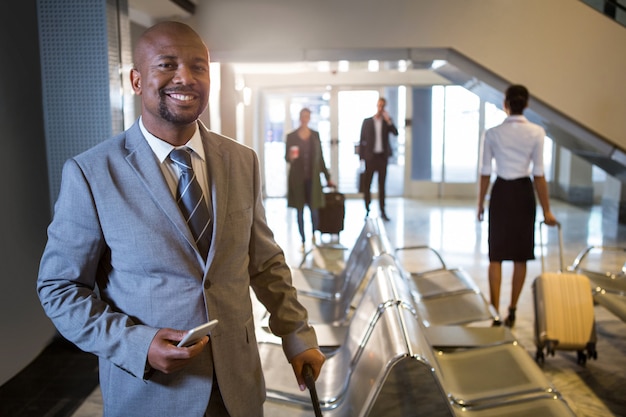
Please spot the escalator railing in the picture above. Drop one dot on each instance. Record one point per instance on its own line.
(615, 9)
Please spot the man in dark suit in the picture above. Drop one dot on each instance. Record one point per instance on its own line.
(375, 150)
(123, 276)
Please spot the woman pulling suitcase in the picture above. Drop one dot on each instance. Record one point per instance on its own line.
(516, 146)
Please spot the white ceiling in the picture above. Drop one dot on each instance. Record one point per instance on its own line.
(148, 12)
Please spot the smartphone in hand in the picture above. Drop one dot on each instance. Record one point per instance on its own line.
(194, 335)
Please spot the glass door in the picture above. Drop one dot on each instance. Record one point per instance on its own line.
(282, 114)
(337, 114)
(354, 106)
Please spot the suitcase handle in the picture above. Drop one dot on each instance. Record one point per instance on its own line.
(560, 239)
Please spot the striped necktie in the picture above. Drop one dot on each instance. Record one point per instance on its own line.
(191, 201)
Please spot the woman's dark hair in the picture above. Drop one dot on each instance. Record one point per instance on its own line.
(516, 98)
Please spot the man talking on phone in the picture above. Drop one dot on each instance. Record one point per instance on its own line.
(375, 150)
(159, 230)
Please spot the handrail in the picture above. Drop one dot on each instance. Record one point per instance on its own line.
(615, 4)
(582, 254)
(614, 9)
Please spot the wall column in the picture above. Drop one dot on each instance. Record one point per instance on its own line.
(573, 181)
(613, 202)
(85, 59)
(229, 98)
(421, 133)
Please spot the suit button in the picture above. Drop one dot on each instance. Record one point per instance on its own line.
(207, 284)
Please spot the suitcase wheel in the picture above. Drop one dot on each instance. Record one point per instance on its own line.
(592, 353)
(582, 358)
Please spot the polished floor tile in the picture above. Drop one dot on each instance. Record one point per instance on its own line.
(54, 384)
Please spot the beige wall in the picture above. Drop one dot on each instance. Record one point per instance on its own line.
(569, 55)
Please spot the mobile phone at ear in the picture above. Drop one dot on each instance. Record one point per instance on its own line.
(194, 335)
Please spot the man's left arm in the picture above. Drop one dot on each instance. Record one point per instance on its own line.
(270, 278)
(392, 127)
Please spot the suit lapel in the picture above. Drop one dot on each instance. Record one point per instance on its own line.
(142, 159)
(218, 163)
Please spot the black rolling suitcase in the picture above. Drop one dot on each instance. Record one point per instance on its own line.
(331, 216)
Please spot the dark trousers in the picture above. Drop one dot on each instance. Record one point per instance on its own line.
(377, 164)
(300, 212)
(216, 403)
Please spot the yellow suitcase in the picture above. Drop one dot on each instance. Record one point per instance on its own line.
(564, 315)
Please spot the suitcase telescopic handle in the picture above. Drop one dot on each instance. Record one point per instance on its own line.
(307, 371)
(560, 239)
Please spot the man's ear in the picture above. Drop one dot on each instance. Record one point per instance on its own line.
(135, 80)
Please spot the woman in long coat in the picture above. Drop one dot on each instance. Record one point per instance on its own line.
(306, 162)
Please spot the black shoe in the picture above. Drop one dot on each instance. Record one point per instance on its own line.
(496, 323)
(385, 218)
(510, 320)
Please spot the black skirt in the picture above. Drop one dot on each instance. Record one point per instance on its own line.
(512, 212)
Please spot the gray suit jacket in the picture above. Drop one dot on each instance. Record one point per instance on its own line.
(120, 263)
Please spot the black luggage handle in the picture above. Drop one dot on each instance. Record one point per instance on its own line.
(307, 371)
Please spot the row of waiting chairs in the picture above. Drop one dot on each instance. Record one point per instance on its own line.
(355, 378)
(394, 349)
(607, 273)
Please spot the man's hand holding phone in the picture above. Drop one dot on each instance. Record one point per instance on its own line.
(166, 356)
(194, 335)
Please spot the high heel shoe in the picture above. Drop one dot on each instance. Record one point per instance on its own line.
(510, 320)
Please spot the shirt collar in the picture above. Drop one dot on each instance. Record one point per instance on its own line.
(516, 118)
(162, 149)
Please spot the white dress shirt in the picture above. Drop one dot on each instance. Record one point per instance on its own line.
(170, 170)
(516, 146)
(378, 130)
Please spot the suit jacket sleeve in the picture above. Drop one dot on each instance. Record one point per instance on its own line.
(270, 279)
(389, 128)
(67, 280)
(320, 160)
(364, 140)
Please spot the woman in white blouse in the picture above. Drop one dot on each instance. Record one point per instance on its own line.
(516, 146)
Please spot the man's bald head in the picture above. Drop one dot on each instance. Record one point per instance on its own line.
(171, 74)
(170, 30)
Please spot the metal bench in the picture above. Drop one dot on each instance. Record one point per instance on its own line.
(330, 313)
(443, 295)
(368, 373)
(608, 276)
(484, 380)
(392, 362)
(325, 279)
(482, 370)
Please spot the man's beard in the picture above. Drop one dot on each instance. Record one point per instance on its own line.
(176, 119)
